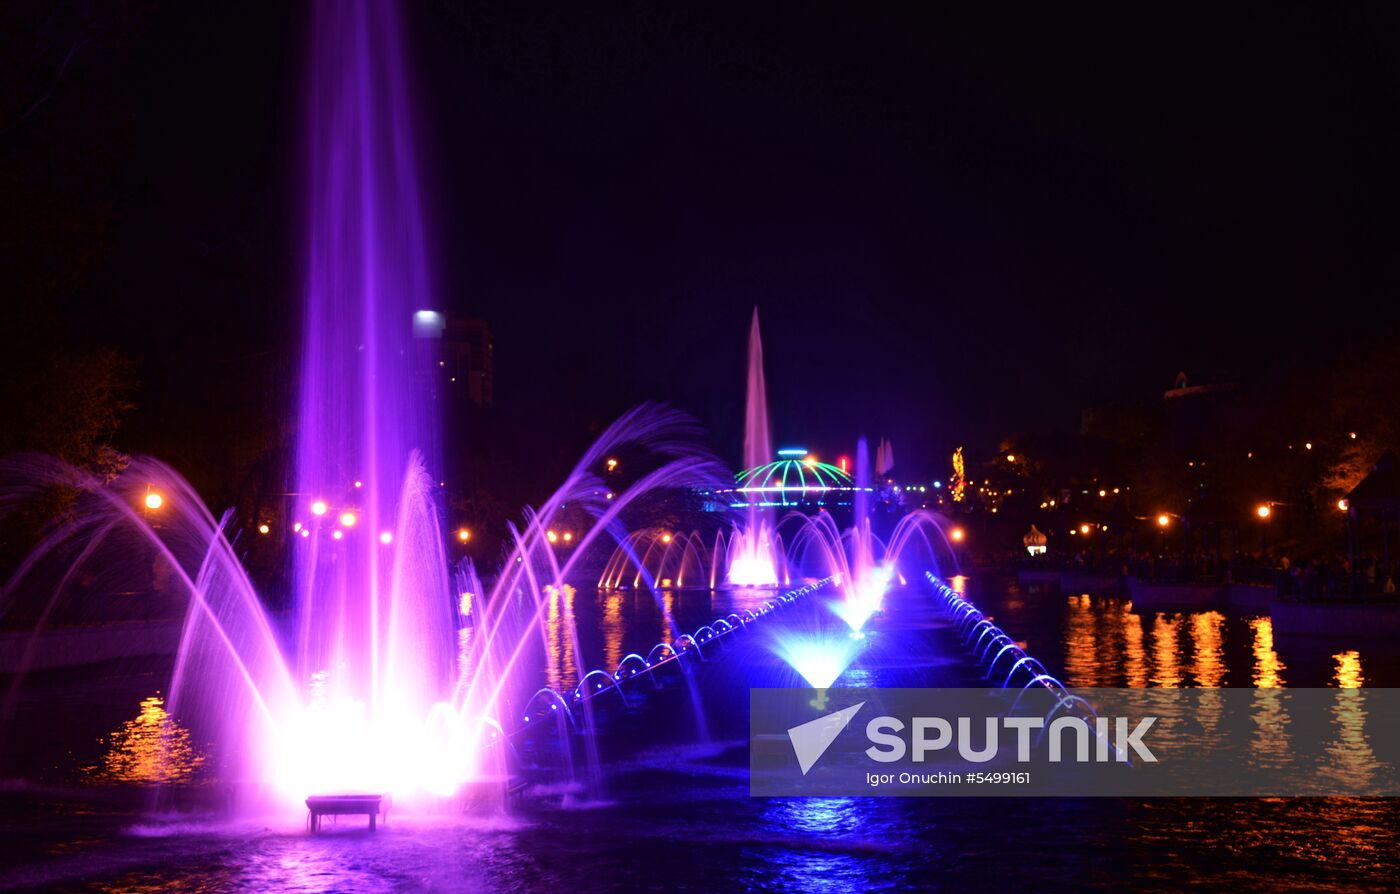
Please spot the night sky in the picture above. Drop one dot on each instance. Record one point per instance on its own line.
(955, 228)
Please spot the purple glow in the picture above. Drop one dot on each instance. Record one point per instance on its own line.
(754, 550)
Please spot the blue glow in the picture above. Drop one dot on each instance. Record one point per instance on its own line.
(793, 451)
(819, 659)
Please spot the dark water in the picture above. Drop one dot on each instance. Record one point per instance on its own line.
(672, 812)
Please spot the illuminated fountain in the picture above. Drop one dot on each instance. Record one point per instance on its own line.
(389, 671)
(751, 557)
(864, 568)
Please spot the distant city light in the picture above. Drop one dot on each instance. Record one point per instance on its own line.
(1352, 435)
(956, 535)
(319, 507)
(1011, 457)
(666, 537)
(463, 535)
(553, 537)
(1343, 505)
(359, 484)
(348, 519)
(386, 537)
(938, 484)
(568, 536)
(306, 532)
(264, 528)
(154, 500)
(612, 464)
(296, 528)
(1307, 446)
(428, 324)
(1084, 529)
(338, 534)
(1103, 493)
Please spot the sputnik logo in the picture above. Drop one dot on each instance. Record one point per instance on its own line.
(810, 740)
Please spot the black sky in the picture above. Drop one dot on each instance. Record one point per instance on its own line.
(955, 226)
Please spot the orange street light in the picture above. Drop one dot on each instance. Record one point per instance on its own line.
(463, 535)
(154, 500)
(956, 535)
(1163, 520)
(1264, 511)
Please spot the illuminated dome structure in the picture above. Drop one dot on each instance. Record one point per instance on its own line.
(795, 478)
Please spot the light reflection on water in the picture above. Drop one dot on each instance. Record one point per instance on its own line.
(1268, 667)
(589, 629)
(1166, 651)
(1101, 641)
(860, 843)
(149, 749)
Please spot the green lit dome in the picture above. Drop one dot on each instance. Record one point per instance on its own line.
(793, 475)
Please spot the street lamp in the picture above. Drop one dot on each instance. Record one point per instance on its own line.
(1264, 511)
(463, 535)
(1163, 520)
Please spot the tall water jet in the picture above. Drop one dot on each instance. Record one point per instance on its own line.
(374, 613)
(758, 446)
(752, 551)
(865, 591)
